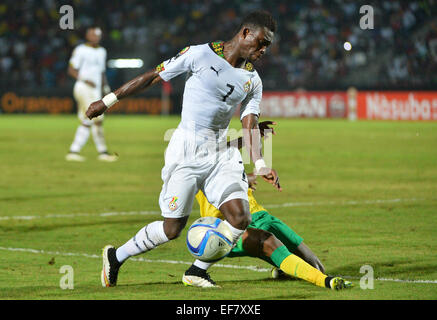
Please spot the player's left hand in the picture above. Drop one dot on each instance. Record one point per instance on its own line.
(96, 109)
(270, 176)
(265, 127)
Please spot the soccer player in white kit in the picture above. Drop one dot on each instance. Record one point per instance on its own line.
(220, 76)
(87, 66)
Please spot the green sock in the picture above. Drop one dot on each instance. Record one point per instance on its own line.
(279, 255)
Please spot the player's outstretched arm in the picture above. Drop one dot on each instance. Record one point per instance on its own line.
(264, 127)
(252, 141)
(130, 88)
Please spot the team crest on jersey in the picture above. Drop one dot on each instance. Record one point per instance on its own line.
(246, 86)
(173, 204)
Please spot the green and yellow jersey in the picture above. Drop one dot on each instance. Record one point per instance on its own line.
(208, 210)
(261, 219)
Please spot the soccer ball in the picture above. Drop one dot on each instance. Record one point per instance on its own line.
(209, 239)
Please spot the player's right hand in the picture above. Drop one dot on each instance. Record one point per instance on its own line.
(96, 109)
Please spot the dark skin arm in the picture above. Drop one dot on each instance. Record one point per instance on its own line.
(252, 136)
(263, 127)
(252, 141)
(134, 86)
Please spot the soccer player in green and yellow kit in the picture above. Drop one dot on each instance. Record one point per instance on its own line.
(270, 239)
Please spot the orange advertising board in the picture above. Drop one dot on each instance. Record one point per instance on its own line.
(13, 102)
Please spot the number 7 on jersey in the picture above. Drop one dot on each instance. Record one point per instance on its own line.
(230, 91)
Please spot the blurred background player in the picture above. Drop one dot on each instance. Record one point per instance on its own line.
(87, 66)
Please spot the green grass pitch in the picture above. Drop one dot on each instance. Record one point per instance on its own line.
(359, 193)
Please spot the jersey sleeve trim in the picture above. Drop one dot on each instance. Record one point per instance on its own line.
(180, 63)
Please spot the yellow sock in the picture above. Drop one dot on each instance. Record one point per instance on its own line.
(295, 266)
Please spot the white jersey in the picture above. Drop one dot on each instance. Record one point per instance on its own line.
(91, 63)
(213, 88)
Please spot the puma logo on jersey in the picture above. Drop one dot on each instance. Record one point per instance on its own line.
(212, 68)
(244, 177)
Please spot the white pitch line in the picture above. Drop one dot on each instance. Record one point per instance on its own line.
(252, 268)
(280, 205)
(75, 215)
(95, 256)
(342, 203)
(396, 280)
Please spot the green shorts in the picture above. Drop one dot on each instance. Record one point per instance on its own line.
(265, 221)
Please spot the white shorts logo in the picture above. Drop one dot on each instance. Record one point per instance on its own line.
(172, 204)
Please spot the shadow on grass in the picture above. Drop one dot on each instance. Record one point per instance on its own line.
(396, 268)
(263, 289)
(177, 287)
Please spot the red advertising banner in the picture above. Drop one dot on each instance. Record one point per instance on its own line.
(391, 105)
(315, 104)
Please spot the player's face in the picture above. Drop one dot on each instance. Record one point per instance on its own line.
(255, 43)
(94, 35)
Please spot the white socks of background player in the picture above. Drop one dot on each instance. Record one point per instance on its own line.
(146, 239)
(82, 135)
(80, 138)
(236, 234)
(99, 138)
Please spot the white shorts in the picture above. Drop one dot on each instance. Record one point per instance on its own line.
(187, 169)
(84, 96)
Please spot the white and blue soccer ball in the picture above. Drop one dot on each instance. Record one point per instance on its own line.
(209, 239)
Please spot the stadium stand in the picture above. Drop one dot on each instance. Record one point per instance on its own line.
(400, 52)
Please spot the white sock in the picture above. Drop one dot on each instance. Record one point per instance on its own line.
(145, 240)
(80, 138)
(202, 264)
(99, 138)
(236, 234)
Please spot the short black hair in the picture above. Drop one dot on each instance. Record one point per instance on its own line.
(259, 18)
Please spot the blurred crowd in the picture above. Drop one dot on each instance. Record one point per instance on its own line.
(400, 52)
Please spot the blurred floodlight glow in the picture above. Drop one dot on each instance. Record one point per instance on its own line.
(347, 46)
(125, 63)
